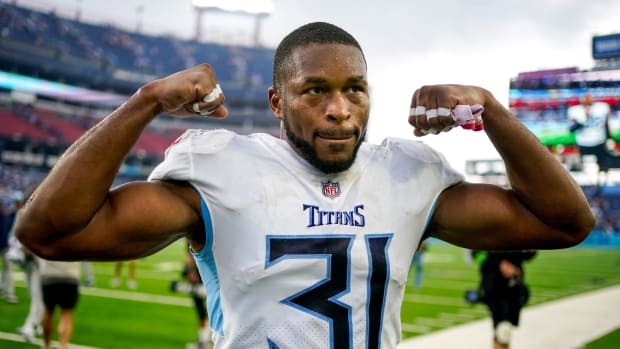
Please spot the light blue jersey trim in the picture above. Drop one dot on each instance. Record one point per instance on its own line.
(434, 205)
(430, 214)
(208, 272)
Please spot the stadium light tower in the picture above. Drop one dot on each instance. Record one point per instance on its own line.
(139, 12)
(258, 9)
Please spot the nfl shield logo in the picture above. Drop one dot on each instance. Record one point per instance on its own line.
(331, 189)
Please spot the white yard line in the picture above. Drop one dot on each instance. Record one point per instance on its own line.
(136, 296)
(568, 323)
(17, 338)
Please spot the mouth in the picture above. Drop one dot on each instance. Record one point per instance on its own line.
(336, 134)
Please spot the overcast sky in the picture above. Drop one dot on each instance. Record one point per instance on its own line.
(408, 43)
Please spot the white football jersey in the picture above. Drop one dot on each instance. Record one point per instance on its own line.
(296, 258)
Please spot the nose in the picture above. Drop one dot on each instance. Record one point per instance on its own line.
(337, 108)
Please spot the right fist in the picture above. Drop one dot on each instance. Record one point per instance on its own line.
(190, 92)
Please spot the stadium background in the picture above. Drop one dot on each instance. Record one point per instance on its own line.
(60, 75)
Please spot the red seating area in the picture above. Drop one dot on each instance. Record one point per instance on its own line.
(68, 130)
(48, 126)
(153, 143)
(13, 125)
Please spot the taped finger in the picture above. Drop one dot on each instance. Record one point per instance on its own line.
(213, 95)
(431, 113)
(443, 111)
(417, 111)
(208, 112)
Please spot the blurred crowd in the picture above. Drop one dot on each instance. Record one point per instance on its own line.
(110, 49)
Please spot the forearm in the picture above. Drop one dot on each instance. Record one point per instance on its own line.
(79, 183)
(536, 177)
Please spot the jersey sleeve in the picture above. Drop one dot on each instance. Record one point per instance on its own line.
(449, 175)
(193, 153)
(418, 155)
(177, 160)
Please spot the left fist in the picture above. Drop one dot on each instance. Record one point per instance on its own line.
(440, 108)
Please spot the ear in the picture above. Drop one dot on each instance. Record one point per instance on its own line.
(275, 102)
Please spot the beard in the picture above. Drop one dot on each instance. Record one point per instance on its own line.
(308, 152)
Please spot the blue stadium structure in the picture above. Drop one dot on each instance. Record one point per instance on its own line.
(110, 59)
(59, 76)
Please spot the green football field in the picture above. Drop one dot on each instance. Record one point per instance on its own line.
(154, 317)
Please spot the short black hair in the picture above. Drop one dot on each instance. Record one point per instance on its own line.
(311, 33)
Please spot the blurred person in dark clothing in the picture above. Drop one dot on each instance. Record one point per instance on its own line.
(60, 288)
(503, 290)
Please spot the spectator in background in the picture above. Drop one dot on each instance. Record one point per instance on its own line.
(503, 290)
(132, 284)
(23, 258)
(589, 121)
(7, 288)
(600, 208)
(29, 264)
(60, 287)
(88, 274)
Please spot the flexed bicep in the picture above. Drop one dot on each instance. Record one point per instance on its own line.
(136, 220)
(487, 217)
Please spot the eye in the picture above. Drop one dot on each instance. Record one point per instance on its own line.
(356, 89)
(315, 90)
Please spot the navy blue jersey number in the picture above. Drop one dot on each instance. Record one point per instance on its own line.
(322, 298)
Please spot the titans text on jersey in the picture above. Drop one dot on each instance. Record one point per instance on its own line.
(318, 217)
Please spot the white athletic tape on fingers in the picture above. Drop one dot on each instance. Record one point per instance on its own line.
(213, 95)
(431, 113)
(208, 112)
(443, 111)
(467, 114)
(417, 111)
(196, 108)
